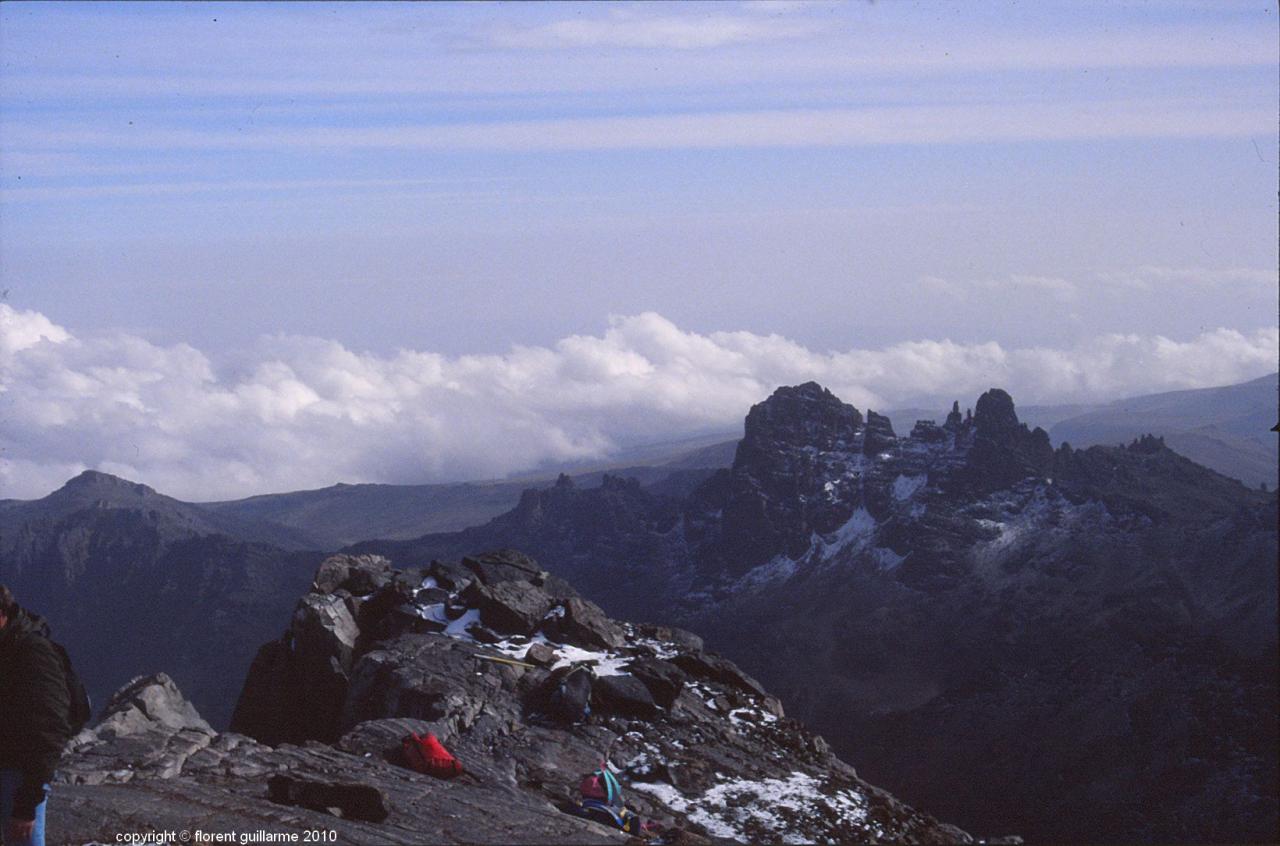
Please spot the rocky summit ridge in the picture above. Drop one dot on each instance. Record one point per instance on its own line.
(469, 651)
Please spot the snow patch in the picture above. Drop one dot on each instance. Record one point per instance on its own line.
(603, 663)
(458, 628)
(434, 613)
(783, 810)
(779, 568)
(886, 560)
(905, 487)
(857, 530)
(750, 717)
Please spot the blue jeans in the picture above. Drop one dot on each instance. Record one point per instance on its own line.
(10, 780)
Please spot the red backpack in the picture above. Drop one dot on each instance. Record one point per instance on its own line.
(428, 755)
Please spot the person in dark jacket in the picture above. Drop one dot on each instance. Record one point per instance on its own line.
(34, 720)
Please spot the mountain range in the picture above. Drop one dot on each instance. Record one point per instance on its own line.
(1070, 644)
(1226, 429)
(1066, 643)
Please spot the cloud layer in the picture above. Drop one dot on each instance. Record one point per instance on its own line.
(298, 412)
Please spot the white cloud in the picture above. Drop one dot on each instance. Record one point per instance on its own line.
(22, 329)
(308, 412)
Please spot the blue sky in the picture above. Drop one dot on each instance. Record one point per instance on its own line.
(471, 180)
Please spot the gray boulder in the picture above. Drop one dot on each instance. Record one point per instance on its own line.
(663, 679)
(323, 628)
(148, 728)
(581, 623)
(358, 574)
(708, 665)
(624, 695)
(504, 565)
(508, 607)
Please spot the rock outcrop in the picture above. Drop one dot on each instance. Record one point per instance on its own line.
(147, 730)
(700, 747)
(794, 444)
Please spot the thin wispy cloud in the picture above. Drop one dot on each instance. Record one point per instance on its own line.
(1054, 287)
(637, 28)
(440, 188)
(988, 123)
(1146, 279)
(1151, 278)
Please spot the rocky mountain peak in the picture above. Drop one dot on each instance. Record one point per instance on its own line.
(806, 414)
(527, 683)
(776, 491)
(95, 485)
(994, 415)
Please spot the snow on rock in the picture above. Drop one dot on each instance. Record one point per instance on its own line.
(776, 569)
(458, 628)
(856, 531)
(886, 559)
(794, 809)
(905, 487)
(601, 662)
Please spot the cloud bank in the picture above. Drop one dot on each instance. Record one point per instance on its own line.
(298, 412)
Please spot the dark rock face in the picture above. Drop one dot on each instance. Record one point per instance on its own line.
(775, 499)
(663, 679)
(954, 419)
(706, 665)
(879, 435)
(505, 565)
(926, 431)
(505, 606)
(1070, 644)
(296, 686)
(679, 755)
(625, 695)
(994, 416)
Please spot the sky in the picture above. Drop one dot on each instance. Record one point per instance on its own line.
(254, 247)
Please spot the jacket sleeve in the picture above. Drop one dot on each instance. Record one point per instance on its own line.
(46, 703)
